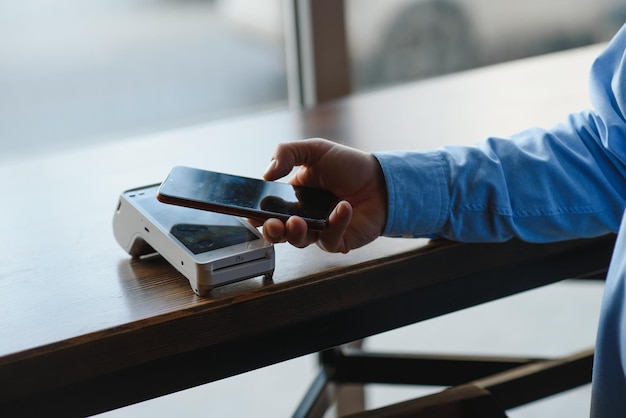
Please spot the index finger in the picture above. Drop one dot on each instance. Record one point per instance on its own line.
(291, 154)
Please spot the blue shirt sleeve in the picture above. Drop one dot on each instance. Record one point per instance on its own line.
(540, 185)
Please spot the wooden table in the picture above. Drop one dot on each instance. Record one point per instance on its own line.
(84, 329)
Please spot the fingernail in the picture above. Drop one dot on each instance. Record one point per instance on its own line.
(271, 166)
(271, 233)
(342, 207)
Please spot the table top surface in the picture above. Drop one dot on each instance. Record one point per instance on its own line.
(65, 282)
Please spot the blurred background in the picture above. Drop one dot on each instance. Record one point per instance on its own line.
(74, 73)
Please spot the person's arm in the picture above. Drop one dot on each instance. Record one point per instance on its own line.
(539, 185)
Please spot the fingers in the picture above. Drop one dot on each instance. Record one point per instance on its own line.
(322, 164)
(332, 239)
(296, 232)
(274, 231)
(276, 170)
(291, 154)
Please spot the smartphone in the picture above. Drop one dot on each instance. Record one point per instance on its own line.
(247, 197)
(209, 249)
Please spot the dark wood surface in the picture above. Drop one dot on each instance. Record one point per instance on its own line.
(84, 329)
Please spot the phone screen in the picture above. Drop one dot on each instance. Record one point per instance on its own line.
(245, 196)
(200, 231)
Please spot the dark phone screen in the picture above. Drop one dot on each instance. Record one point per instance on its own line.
(200, 231)
(253, 194)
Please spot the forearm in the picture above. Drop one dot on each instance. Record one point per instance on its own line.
(537, 186)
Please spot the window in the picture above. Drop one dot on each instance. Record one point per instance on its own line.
(75, 72)
(399, 40)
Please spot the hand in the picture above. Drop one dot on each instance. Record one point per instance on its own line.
(354, 176)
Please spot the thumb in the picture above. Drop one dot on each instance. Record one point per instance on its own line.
(333, 239)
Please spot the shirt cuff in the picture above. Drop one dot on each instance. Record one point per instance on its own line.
(417, 192)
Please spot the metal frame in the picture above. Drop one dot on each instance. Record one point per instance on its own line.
(317, 51)
(509, 381)
(478, 386)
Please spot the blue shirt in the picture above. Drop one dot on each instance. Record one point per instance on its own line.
(540, 185)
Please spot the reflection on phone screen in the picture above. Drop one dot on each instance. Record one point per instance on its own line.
(202, 238)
